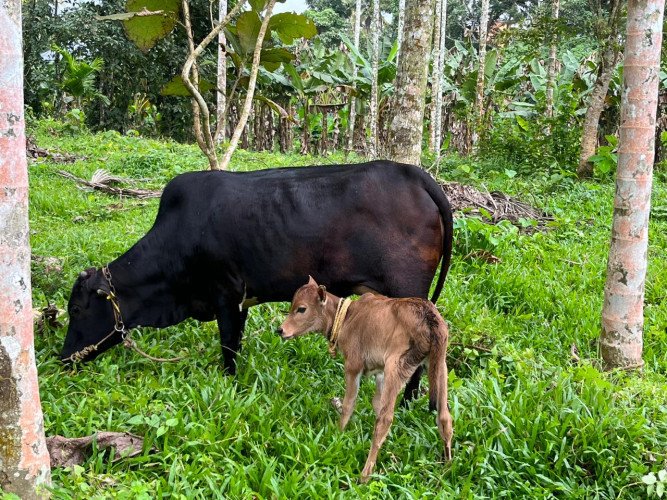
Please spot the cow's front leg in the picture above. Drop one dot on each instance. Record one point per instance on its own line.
(230, 324)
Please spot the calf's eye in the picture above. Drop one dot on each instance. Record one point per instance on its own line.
(301, 309)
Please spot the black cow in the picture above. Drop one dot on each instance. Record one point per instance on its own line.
(224, 241)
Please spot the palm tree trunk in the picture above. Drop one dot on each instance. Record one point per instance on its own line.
(438, 96)
(353, 108)
(375, 57)
(622, 314)
(553, 61)
(479, 99)
(24, 459)
(399, 28)
(435, 74)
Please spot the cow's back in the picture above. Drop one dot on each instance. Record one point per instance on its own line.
(348, 225)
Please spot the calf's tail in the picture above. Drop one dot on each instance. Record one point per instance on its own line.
(437, 379)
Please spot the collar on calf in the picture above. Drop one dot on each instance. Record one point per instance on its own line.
(341, 311)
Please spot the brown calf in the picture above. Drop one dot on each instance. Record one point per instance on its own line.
(377, 335)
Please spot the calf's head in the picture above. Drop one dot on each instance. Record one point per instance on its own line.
(91, 318)
(307, 312)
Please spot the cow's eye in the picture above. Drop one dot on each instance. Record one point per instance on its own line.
(301, 309)
(75, 310)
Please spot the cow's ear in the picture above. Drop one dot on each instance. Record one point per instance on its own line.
(322, 293)
(311, 281)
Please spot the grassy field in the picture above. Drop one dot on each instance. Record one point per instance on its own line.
(527, 421)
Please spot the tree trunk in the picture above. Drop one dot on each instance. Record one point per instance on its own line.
(438, 96)
(221, 116)
(375, 57)
(553, 60)
(408, 103)
(250, 92)
(435, 74)
(353, 107)
(622, 314)
(24, 459)
(589, 133)
(399, 28)
(479, 99)
(607, 34)
(305, 136)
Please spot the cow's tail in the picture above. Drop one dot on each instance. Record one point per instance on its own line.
(437, 381)
(438, 196)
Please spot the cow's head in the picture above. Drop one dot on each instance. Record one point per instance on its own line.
(91, 318)
(307, 313)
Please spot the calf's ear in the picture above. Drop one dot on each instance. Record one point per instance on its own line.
(322, 293)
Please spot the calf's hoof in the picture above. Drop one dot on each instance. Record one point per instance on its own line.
(337, 404)
(364, 478)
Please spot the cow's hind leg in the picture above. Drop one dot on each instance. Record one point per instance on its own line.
(230, 326)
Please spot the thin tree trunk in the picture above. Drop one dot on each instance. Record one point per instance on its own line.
(353, 107)
(438, 97)
(589, 133)
(607, 30)
(209, 143)
(400, 28)
(375, 57)
(196, 115)
(623, 311)
(553, 60)
(435, 74)
(305, 137)
(24, 459)
(479, 99)
(224, 163)
(221, 117)
(404, 142)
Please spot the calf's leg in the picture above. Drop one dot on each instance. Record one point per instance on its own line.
(377, 399)
(352, 379)
(393, 384)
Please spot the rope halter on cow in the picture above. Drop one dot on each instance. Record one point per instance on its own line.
(118, 328)
(341, 312)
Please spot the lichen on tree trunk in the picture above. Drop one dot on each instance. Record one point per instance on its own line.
(621, 341)
(407, 107)
(24, 460)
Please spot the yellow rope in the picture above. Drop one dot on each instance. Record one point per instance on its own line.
(341, 311)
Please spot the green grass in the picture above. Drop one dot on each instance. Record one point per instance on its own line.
(527, 422)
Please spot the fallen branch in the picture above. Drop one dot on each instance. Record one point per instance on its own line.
(106, 188)
(34, 151)
(66, 452)
(496, 205)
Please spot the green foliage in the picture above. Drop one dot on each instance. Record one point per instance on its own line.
(655, 485)
(528, 422)
(606, 159)
(176, 87)
(78, 78)
(147, 31)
